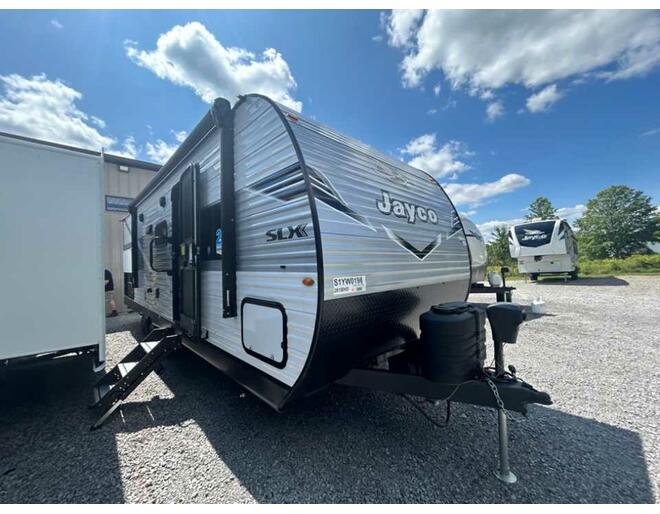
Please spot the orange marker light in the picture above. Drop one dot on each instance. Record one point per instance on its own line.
(308, 281)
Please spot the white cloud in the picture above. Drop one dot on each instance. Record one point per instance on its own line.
(571, 214)
(431, 112)
(128, 149)
(487, 228)
(377, 38)
(475, 194)
(46, 109)
(484, 50)
(160, 151)
(540, 101)
(439, 162)
(494, 110)
(651, 132)
(436, 89)
(180, 135)
(97, 121)
(401, 26)
(55, 23)
(485, 94)
(189, 55)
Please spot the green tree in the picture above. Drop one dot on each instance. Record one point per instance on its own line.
(618, 222)
(498, 248)
(542, 208)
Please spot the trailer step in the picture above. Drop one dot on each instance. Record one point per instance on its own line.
(120, 381)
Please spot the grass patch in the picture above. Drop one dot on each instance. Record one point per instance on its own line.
(642, 264)
(633, 265)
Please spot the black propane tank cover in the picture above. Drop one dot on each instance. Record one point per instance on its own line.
(452, 342)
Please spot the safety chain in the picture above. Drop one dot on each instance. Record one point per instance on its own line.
(496, 394)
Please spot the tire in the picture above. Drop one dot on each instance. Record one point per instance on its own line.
(574, 275)
(533, 277)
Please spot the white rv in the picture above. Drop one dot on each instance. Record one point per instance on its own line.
(478, 251)
(51, 267)
(314, 249)
(292, 257)
(544, 247)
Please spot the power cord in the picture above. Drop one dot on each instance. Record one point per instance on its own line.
(429, 418)
(446, 399)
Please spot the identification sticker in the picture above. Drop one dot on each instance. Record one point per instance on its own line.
(347, 285)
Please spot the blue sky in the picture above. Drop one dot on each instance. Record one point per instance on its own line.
(501, 107)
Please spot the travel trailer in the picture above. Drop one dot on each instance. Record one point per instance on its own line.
(478, 252)
(292, 257)
(51, 267)
(544, 247)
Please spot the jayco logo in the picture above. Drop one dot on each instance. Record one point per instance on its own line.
(534, 235)
(409, 211)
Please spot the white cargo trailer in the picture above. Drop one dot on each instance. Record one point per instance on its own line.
(51, 268)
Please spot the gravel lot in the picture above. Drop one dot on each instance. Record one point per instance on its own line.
(192, 435)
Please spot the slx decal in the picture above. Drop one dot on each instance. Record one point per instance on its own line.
(285, 233)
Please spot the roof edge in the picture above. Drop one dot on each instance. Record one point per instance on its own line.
(111, 158)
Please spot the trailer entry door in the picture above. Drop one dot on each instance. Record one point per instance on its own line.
(186, 283)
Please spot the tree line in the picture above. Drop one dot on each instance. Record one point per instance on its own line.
(618, 222)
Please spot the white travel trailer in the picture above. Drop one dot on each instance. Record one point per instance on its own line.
(478, 252)
(544, 247)
(51, 268)
(292, 257)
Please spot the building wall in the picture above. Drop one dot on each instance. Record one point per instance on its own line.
(126, 184)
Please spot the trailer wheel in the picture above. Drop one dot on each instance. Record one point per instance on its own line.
(533, 277)
(574, 275)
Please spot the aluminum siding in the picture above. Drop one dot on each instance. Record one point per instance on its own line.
(266, 270)
(207, 154)
(359, 174)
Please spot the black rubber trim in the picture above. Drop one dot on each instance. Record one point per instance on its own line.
(273, 305)
(317, 240)
(135, 255)
(223, 117)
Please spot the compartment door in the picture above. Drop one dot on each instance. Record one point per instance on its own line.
(264, 330)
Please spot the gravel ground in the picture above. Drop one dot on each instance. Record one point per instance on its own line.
(192, 435)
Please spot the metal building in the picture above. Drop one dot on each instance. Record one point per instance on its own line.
(124, 179)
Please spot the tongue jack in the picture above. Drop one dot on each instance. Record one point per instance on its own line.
(504, 318)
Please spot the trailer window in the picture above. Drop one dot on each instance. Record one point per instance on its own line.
(211, 232)
(535, 234)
